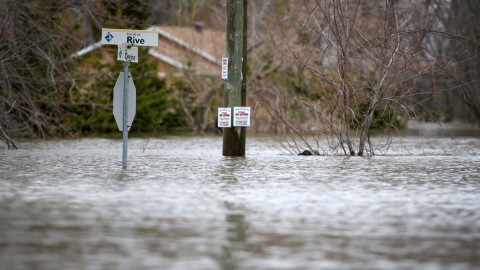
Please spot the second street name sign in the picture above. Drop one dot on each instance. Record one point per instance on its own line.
(130, 37)
(124, 53)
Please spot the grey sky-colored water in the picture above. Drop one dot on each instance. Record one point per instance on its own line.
(182, 205)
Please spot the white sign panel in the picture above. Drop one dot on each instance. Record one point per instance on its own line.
(224, 69)
(125, 53)
(118, 101)
(224, 117)
(241, 116)
(128, 36)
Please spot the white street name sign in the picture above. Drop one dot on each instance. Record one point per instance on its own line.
(124, 53)
(224, 117)
(224, 69)
(118, 101)
(130, 37)
(241, 116)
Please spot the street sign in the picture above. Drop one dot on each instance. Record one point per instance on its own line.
(224, 68)
(241, 116)
(130, 37)
(118, 101)
(124, 53)
(224, 117)
(124, 92)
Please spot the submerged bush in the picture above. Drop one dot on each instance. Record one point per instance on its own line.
(384, 119)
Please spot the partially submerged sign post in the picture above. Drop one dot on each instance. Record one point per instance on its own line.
(126, 39)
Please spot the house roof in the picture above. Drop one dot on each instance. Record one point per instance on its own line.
(190, 48)
(184, 48)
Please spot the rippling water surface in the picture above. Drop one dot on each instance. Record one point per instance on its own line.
(182, 205)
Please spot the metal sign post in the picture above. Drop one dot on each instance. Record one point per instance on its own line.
(125, 112)
(126, 39)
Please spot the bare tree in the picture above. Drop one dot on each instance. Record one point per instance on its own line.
(198, 97)
(455, 44)
(32, 72)
(366, 57)
(36, 71)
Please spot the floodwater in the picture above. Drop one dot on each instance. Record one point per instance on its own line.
(182, 205)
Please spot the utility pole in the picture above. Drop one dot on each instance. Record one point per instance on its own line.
(236, 84)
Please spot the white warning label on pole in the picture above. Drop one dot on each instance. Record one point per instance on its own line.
(224, 117)
(225, 69)
(241, 116)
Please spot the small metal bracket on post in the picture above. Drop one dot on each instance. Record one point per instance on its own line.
(128, 46)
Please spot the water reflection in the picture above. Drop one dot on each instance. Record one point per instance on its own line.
(229, 168)
(68, 205)
(235, 249)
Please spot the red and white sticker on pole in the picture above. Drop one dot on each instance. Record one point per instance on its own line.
(224, 117)
(241, 117)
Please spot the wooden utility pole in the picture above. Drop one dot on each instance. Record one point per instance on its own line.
(236, 84)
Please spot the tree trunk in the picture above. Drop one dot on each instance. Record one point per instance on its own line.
(4, 137)
(346, 103)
